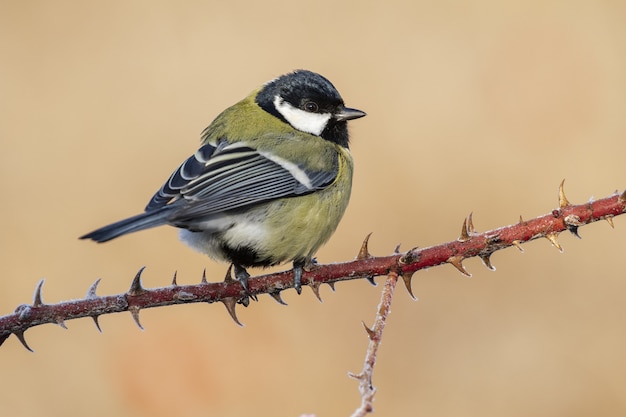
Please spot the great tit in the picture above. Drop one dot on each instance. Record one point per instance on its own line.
(269, 184)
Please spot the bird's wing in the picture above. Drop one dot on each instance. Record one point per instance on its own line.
(230, 176)
(188, 171)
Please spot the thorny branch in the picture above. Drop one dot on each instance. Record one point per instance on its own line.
(375, 334)
(230, 292)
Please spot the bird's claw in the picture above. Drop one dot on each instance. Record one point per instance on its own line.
(242, 276)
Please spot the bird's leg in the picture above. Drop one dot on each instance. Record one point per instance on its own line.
(300, 265)
(242, 276)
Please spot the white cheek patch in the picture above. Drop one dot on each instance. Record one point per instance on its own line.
(314, 123)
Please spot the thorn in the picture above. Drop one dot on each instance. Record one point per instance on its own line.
(61, 323)
(276, 296)
(174, 283)
(37, 296)
(91, 292)
(521, 221)
(364, 252)
(4, 337)
(457, 262)
(20, 336)
(97, 323)
(464, 235)
(552, 237)
(406, 278)
(331, 285)
(610, 221)
(358, 376)
(135, 286)
(518, 245)
(396, 251)
(470, 224)
(562, 199)
(134, 311)
(315, 287)
(622, 197)
(487, 261)
(370, 333)
(229, 274)
(203, 280)
(230, 304)
(370, 279)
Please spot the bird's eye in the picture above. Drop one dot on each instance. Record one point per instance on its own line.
(311, 106)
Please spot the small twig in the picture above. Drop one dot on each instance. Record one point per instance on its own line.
(375, 334)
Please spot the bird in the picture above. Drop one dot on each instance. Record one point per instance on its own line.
(269, 183)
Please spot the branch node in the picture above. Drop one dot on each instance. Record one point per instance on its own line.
(184, 296)
(410, 257)
(573, 222)
(23, 311)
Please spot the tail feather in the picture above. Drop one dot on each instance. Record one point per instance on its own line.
(130, 225)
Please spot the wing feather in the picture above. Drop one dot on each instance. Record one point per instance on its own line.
(190, 169)
(231, 176)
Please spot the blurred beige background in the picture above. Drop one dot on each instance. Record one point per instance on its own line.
(472, 106)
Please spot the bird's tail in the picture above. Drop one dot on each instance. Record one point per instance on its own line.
(132, 224)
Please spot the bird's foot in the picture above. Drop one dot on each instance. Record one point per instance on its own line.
(299, 266)
(242, 276)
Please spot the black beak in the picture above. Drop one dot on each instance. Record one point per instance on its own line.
(348, 114)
